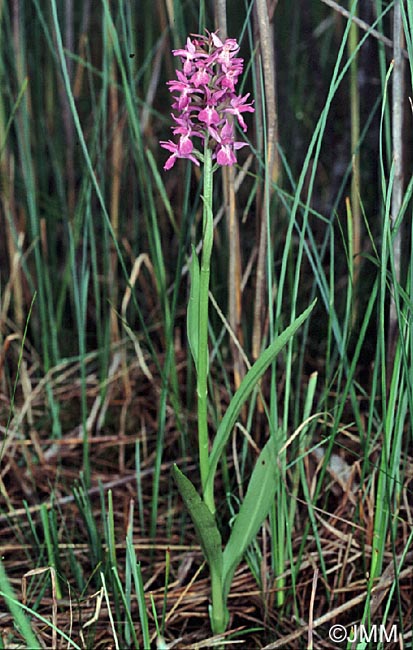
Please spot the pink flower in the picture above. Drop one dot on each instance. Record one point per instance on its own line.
(201, 77)
(185, 146)
(227, 145)
(225, 51)
(185, 127)
(209, 115)
(183, 87)
(188, 55)
(177, 152)
(239, 106)
(230, 79)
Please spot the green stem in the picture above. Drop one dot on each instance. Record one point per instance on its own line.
(218, 613)
(203, 359)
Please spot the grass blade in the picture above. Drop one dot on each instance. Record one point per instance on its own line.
(137, 577)
(15, 608)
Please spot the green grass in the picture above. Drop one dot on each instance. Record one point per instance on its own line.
(98, 390)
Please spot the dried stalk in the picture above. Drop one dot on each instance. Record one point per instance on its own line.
(271, 160)
(398, 88)
(356, 176)
(235, 266)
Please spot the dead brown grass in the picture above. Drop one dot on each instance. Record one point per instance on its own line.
(35, 466)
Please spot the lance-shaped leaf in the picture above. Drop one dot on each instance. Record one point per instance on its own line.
(210, 539)
(192, 315)
(203, 520)
(255, 507)
(245, 389)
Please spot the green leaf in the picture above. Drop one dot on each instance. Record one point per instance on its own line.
(192, 315)
(17, 610)
(245, 389)
(203, 520)
(254, 509)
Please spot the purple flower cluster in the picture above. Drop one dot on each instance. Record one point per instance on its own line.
(206, 100)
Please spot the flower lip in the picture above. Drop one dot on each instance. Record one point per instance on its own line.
(225, 155)
(185, 145)
(209, 115)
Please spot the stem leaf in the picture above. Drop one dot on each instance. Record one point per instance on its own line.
(203, 520)
(255, 507)
(245, 389)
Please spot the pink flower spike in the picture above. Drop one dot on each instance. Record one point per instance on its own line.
(204, 97)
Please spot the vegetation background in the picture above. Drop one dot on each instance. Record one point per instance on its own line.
(97, 386)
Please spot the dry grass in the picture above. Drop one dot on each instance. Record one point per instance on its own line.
(30, 478)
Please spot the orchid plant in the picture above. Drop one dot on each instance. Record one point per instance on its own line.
(207, 107)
